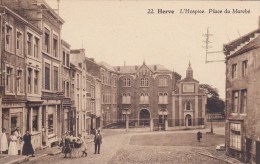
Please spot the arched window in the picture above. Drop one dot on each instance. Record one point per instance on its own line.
(188, 106)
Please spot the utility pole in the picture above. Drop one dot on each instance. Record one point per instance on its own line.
(207, 47)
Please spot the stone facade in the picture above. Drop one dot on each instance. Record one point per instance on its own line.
(242, 97)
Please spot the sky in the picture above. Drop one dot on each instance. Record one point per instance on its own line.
(122, 31)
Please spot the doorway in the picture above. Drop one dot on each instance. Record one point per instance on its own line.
(188, 120)
(144, 117)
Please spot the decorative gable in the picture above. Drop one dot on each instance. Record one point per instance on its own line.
(144, 71)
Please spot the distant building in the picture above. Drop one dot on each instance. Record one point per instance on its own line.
(66, 88)
(82, 89)
(243, 97)
(152, 95)
(189, 102)
(108, 78)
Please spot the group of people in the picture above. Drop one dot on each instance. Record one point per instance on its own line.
(17, 144)
(69, 143)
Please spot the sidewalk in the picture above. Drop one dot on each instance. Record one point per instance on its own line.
(14, 159)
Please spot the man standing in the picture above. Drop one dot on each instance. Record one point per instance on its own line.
(199, 136)
(97, 141)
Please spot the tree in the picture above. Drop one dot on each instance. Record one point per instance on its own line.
(214, 103)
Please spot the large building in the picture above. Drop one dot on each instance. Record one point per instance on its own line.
(43, 69)
(243, 97)
(152, 95)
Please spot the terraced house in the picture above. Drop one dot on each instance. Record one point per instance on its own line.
(243, 97)
(47, 117)
(21, 74)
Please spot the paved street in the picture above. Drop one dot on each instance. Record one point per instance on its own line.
(156, 147)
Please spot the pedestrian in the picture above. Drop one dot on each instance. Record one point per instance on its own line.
(43, 137)
(4, 142)
(66, 145)
(199, 136)
(13, 145)
(27, 146)
(18, 135)
(97, 141)
(83, 146)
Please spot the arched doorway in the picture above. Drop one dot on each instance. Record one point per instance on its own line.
(188, 120)
(144, 118)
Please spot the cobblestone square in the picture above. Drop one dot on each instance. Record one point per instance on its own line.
(149, 147)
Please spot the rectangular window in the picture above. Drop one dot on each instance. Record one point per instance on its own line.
(126, 82)
(19, 81)
(64, 58)
(55, 78)
(67, 89)
(50, 124)
(47, 72)
(29, 44)
(36, 82)
(243, 101)
(144, 82)
(9, 38)
(19, 42)
(234, 71)
(36, 48)
(235, 102)
(77, 80)
(55, 47)
(9, 79)
(46, 41)
(235, 135)
(29, 80)
(67, 60)
(244, 68)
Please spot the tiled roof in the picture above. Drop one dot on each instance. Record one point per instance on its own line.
(133, 69)
(237, 42)
(251, 45)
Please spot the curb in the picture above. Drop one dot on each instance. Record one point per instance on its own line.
(211, 156)
(55, 152)
(35, 158)
(18, 160)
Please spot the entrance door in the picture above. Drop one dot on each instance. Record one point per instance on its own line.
(188, 121)
(144, 117)
(257, 154)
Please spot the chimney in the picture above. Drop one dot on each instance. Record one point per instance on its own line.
(155, 67)
(124, 63)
